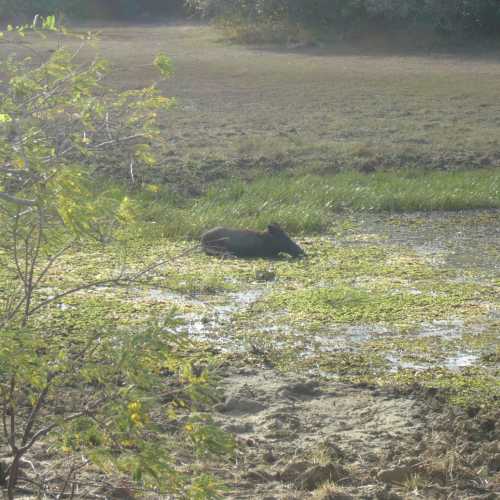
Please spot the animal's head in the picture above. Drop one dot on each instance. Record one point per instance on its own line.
(283, 242)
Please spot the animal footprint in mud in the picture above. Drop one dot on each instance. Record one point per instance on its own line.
(282, 419)
(300, 389)
(242, 406)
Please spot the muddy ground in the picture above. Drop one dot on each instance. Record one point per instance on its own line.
(312, 436)
(307, 438)
(303, 437)
(335, 407)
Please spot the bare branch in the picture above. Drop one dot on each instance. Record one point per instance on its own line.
(85, 286)
(34, 412)
(56, 84)
(120, 280)
(117, 140)
(72, 472)
(132, 176)
(17, 201)
(15, 234)
(43, 432)
(32, 262)
(12, 431)
(51, 261)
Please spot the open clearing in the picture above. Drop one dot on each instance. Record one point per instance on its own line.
(242, 110)
(372, 365)
(326, 108)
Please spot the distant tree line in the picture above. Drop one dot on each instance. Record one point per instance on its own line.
(446, 16)
(26, 9)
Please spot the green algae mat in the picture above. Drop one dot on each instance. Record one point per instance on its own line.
(386, 299)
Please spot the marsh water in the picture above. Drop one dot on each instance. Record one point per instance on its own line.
(467, 244)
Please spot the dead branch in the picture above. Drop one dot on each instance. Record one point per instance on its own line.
(17, 201)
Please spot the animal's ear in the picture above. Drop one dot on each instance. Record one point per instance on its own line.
(274, 228)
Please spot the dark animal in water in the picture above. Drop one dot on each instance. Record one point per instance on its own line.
(246, 243)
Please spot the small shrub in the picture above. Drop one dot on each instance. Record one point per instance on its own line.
(91, 390)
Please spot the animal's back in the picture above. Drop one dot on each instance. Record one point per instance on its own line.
(214, 241)
(239, 242)
(213, 234)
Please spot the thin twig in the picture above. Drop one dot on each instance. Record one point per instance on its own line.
(120, 280)
(86, 286)
(118, 140)
(132, 177)
(51, 261)
(15, 232)
(32, 264)
(12, 433)
(34, 411)
(72, 472)
(44, 431)
(17, 201)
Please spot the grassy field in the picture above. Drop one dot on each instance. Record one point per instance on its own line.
(327, 108)
(252, 111)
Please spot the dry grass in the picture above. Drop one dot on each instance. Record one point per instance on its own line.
(321, 108)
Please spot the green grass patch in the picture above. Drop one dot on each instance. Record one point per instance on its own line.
(474, 387)
(308, 204)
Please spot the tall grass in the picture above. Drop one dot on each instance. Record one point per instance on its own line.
(307, 204)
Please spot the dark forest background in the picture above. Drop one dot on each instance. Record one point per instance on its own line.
(448, 17)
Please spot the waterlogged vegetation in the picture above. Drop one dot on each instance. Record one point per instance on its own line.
(379, 311)
(385, 299)
(363, 306)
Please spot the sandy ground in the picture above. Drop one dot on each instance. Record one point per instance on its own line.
(305, 438)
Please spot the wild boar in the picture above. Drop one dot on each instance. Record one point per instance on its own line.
(246, 243)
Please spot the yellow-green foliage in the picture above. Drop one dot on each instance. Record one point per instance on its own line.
(87, 371)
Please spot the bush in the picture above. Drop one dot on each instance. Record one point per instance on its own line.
(91, 388)
(452, 16)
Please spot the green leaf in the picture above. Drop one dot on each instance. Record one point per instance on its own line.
(49, 23)
(164, 64)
